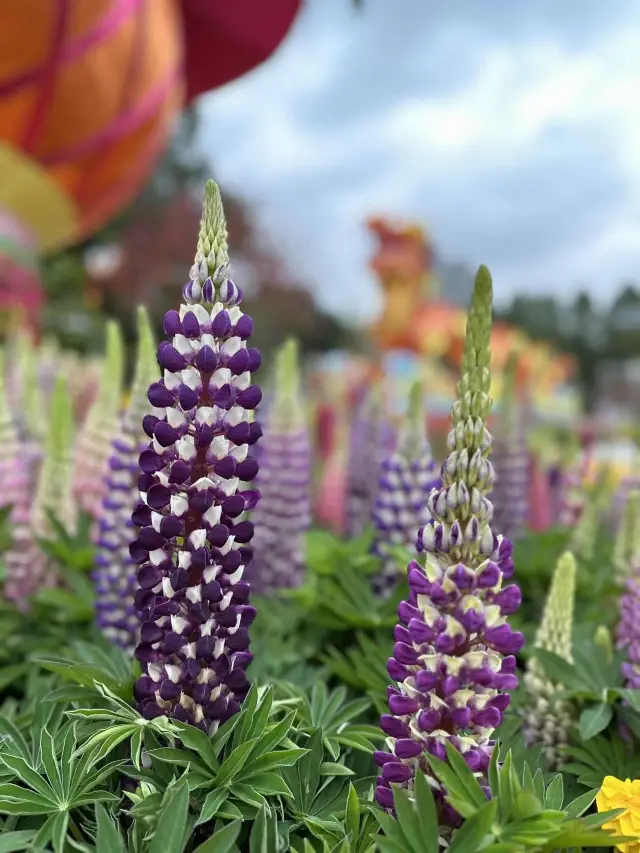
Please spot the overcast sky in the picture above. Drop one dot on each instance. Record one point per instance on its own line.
(511, 128)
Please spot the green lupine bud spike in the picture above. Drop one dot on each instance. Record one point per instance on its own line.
(556, 628)
(627, 544)
(602, 639)
(585, 534)
(473, 399)
(548, 722)
(288, 409)
(53, 490)
(32, 401)
(212, 255)
(146, 371)
(413, 436)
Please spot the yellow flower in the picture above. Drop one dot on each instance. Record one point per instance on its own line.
(616, 794)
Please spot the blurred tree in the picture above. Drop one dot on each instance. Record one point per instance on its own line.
(155, 239)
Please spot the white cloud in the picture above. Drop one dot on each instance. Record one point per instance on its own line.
(508, 129)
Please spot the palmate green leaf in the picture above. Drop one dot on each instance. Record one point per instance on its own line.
(264, 834)
(266, 763)
(17, 842)
(270, 785)
(463, 789)
(199, 742)
(272, 737)
(212, 804)
(475, 829)
(554, 795)
(16, 800)
(10, 674)
(82, 673)
(244, 796)
(108, 837)
(232, 765)
(25, 772)
(171, 830)
(595, 719)
(223, 840)
(578, 807)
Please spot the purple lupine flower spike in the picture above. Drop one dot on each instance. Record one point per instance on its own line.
(510, 496)
(370, 440)
(192, 546)
(115, 576)
(455, 653)
(283, 516)
(408, 476)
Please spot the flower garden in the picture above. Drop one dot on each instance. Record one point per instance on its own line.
(191, 663)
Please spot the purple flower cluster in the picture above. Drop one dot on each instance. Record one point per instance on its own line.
(510, 495)
(192, 546)
(628, 631)
(115, 576)
(454, 655)
(370, 440)
(407, 479)
(284, 514)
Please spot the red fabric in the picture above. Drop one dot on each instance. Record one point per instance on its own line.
(226, 38)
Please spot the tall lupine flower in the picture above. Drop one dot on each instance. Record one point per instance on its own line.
(283, 515)
(192, 545)
(407, 478)
(510, 496)
(540, 501)
(627, 545)
(549, 722)
(454, 652)
(93, 446)
(115, 576)
(27, 565)
(14, 481)
(369, 440)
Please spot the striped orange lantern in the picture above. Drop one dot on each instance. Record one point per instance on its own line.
(88, 93)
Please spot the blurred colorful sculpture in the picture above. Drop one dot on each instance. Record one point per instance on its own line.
(415, 320)
(89, 90)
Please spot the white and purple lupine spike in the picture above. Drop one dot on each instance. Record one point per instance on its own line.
(407, 478)
(192, 546)
(370, 440)
(283, 516)
(454, 656)
(100, 428)
(115, 575)
(511, 462)
(16, 493)
(28, 568)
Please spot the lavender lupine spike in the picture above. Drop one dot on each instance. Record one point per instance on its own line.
(510, 496)
(192, 545)
(283, 515)
(93, 446)
(454, 652)
(407, 478)
(27, 565)
(115, 576)
(368, 444)
(547, 722)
